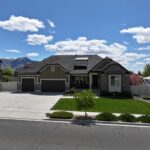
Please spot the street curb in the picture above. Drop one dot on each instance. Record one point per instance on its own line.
(82, 122)
(94, 122)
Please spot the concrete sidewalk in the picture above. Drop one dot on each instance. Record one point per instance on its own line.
(141, 98)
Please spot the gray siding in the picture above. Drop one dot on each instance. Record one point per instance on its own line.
(37, 87)
(48, 74)
(125, 83)
(116, 70)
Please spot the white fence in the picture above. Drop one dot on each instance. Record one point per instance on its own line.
(141, 89)
(8, 86)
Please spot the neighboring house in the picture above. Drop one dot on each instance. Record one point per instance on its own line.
(61, 73)
(146, 80)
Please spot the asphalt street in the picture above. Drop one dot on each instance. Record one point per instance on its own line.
(28, 135)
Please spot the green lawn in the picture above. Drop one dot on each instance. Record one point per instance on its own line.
(108, 105)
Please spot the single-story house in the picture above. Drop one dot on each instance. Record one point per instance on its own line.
(62, 73)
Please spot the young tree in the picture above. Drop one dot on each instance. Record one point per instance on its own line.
(85, 100)
(139, 73)
(7, 72)
(146, 71)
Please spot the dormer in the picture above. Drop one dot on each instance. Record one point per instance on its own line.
(80, 63)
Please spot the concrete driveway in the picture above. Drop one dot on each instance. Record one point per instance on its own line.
(26, 105)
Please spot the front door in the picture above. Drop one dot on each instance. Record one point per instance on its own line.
(94, 81)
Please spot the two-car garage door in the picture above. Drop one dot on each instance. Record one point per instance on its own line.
(53, 85)
(46, 85)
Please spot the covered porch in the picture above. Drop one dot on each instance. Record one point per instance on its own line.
(88, 81)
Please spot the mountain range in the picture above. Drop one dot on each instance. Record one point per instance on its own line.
(15, 63)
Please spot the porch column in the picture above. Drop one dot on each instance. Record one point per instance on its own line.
(37, 84)
(90, 81)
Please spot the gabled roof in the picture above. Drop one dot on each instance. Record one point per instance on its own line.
(105, 63)
(66, 61)
(95, 63)
(114, 63)
(102, 63)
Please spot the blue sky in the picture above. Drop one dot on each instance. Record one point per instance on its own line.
(40, 28)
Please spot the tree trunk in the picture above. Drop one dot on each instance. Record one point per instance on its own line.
(86, 115)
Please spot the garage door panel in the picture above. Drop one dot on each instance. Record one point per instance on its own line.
(27, 84)
(53, 85)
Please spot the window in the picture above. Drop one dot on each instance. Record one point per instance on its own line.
(52, 69)
(115, 83)
(80, 67)
(115, 80)
(80, 63)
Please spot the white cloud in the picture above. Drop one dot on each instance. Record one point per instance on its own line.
(141, 34)
(20, 23)
(137, 64)
(126, 43)
(12, 51)
(144, 48)
(82, 46)
(51, 23)
(147, 59)
(32, 54)
(38, 39)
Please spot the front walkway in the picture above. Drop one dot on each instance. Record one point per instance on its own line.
(141, 98)
(26, 105)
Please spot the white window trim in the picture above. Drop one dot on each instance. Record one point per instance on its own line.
(114, 88)
(52, 68)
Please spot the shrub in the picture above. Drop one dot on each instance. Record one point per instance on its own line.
(8, 71)
(60, 115)
(144, 119)
(106, 117)
(127, 117)
(117, 94)
(6, 78)
(146, 97)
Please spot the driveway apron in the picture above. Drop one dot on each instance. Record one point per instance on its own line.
(26, 105)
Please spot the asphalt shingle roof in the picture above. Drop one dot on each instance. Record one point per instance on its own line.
(66, 61)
